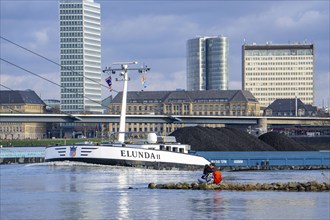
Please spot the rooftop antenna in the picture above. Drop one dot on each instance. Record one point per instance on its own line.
(124, 67)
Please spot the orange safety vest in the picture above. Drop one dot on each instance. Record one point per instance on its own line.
(217, 177)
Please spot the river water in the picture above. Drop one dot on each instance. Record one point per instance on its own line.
(66, 190)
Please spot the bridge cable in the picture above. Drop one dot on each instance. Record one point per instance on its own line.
(51, 81)
(66, 68)
(65, 113)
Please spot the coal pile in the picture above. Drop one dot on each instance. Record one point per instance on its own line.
(219, 139)
(231, 139)
(283, 143)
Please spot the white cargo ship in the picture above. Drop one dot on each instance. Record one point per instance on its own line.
(155, 152)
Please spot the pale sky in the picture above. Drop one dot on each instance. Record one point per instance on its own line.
(155, 33)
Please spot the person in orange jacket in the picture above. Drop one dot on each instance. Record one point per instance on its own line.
(211, 174)
(217, 176)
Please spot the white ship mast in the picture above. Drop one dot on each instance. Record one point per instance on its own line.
(124, 77)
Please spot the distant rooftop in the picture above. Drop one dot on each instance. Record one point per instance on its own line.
(186, 96)
(19, 97)
(270, 46)
(285, 105)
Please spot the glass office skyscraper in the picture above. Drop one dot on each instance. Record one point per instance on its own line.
(207, 63)
(80, 44)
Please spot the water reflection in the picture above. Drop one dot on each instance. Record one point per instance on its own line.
(217, 202)
(123, 209)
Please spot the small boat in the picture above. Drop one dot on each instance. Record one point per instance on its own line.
(155, 153)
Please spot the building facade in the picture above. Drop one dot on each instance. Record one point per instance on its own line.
(80, 45)
(21, 102)
(191, 103)
(207, 63)
(279, 72)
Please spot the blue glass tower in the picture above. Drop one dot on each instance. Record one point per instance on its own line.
(207, 63)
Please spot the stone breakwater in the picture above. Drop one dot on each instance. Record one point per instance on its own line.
(289, 186)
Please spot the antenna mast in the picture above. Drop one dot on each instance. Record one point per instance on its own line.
(124, 67)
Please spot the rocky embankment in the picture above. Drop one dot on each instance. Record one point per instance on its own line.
(290, 186)
(231, 139)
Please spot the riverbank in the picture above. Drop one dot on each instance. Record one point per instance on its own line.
(21, 155)
(45, 142)
(21, 160)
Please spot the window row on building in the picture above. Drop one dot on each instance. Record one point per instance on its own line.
(70, 11)
(293, 94)
(72, 62)
(77, 45)
(70, 79)
(20, 108)
(11, 128)
(10, 107)
(266, 74)
(71, 23)
(75, 39)
(71, 57)
(284, 88)
(67, 107)
(72, 51)
(71, 73)
(70, 5)
(70, 17)
(279, 66)
(70, 101)
(279, 85)
(281, 58)
(71, 28)
(66, 90)
(72, 96)
(71, 34)
(270, 69)
(66, 85)
(71, 67)
(279, 52)
(282, 79)
(278, 63)
(270, 100)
